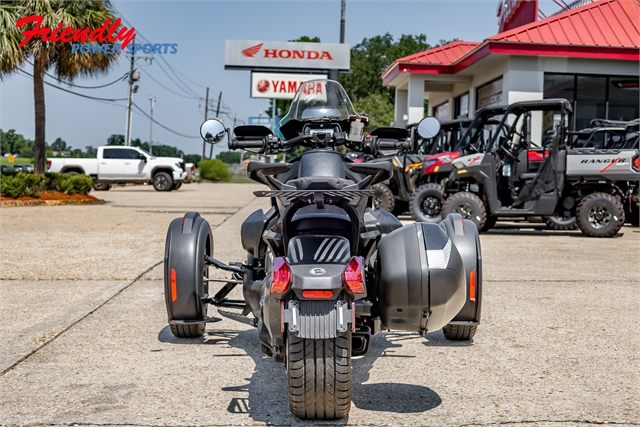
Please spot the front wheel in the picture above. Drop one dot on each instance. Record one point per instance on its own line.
(560, 223)
(459, 332)
(469, 206)
(600, 215)
(426, 203)
(319, 374)
(162, 181)
(101, 186)
(177, 185)
(384, 199)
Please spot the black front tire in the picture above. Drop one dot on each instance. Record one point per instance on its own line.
(600, 215)
(385, 201)
(177, 185)
(469, 206)
(319, 374)
(460, 332)
(162, 181)
(193, 330)
(560, 223)
(426, 203)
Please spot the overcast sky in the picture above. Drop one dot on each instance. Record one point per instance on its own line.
(200, 29)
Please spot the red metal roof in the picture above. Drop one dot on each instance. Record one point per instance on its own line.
(604, 23)
(443, 55)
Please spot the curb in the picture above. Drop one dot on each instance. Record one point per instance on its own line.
(18, 203)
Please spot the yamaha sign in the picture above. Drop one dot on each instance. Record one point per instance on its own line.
(279, 86)
(257, 54)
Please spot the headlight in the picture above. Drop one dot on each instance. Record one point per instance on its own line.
(458, 165)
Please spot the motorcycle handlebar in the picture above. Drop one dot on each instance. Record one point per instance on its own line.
(244, 144)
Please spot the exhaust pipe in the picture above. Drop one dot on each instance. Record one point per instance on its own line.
(360, 341)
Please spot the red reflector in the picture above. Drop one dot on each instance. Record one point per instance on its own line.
(317, 294)
(472, 285)
(281, 276)
(353, 275)
(636, 163)
(367, 137)
(174, 292)
(48, 164)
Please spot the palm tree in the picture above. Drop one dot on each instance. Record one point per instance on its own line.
(45, 55)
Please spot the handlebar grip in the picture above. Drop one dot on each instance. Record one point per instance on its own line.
(244, 144)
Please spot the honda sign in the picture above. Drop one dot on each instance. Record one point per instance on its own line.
(279, 86)
(295, 55)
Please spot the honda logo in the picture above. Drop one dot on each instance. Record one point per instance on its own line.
(251, 51)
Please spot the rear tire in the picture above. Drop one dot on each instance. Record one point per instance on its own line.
(600, 215)
(194, 330)
(469, 206)
(385, 201)
(559, 223)
(426, 203)
(459, 332)
(162, 181)
(177, 185)
(319, 374)
(101, 186)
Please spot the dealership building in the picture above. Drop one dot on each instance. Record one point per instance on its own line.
(588, 53)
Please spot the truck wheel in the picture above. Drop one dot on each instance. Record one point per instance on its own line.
(385, 201)
(459, 332)
(101, 186)
(426, 203)
(162, 181)
(319, 374)
(600, 215)
(469, 206)
(189, 239)
(177, 185)
(560, 223)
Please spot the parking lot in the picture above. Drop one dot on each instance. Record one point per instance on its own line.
(86, 342)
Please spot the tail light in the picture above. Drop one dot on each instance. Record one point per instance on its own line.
(353, 275)
(317, 294)
(472, 285)
(636, 163)
(48, 164)
(282, 276)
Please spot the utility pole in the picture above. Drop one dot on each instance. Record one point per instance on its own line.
(217, 115)
(335, 74)
(206, 112)
(127, 129)
(153, 100)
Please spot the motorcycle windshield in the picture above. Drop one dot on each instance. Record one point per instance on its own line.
(320, 100)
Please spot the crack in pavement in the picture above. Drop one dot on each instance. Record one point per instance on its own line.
(34, 351)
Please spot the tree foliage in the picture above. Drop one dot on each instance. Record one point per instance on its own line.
(229, 156)
(377, 108)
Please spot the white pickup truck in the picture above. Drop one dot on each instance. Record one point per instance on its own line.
(118, 164)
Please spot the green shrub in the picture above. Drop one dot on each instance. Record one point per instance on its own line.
(30, 185)
(214, 170)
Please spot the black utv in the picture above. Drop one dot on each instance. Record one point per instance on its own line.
(529, 170)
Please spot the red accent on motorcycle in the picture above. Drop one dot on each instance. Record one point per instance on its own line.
(282, 276)
(317, 294)
(354, 275)
(472, 285)
(636, 163)
(174, 292)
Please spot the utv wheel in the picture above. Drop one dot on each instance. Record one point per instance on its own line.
(600, 215)
(426, 203)
(385, 201)
(319, 374)
(460, 332)
(162, 181)
(101, 186)
(194, 330)
(469, 206)
(560, 223)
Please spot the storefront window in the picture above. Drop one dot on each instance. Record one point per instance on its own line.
(441, 112)
(462, 106)
(559, 86)
(623, 99)
(489, 94)
(591, 100)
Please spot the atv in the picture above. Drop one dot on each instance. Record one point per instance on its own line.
(323, 271)
(395, 194)
(528, 170)
(472, 135)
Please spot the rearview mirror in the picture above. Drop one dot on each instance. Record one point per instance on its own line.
(212, 131)
(142, 157)
(428, 127)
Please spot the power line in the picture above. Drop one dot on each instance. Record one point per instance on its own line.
(72, 92)
(163, 126)
(175, 93)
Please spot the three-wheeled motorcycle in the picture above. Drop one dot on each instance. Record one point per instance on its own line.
(323, 271)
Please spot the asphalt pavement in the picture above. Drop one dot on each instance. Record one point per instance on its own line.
(86, 341)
